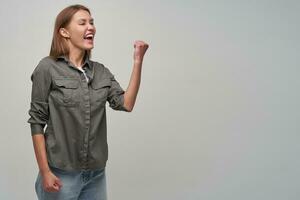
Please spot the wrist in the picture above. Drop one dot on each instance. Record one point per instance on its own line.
(45, 171)
(138, 60)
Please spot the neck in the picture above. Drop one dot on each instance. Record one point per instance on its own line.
(76, 57)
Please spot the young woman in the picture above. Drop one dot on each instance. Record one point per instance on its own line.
(69, 93)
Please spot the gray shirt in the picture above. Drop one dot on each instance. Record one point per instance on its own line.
(71, 102)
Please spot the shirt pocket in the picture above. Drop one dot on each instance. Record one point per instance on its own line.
(100, 90)
(66, 91)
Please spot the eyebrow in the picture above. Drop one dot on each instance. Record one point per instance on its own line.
(82, 19)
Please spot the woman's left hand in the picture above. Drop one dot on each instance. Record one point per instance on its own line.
(140, 49)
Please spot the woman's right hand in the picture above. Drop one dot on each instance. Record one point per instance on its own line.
(51, 183)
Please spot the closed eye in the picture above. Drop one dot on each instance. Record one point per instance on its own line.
(92, 23)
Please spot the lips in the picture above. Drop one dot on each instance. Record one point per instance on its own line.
(89, 36)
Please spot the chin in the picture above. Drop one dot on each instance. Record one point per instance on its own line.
(88, 47)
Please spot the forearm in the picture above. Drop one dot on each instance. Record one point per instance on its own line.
(40, 152)
(134, 84)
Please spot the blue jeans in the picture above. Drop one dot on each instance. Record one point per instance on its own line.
(80, 185)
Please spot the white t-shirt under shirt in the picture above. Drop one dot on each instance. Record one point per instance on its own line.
(87, 78)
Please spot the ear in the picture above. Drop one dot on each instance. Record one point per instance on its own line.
(64, 32)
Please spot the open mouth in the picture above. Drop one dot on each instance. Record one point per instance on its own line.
(89, 37)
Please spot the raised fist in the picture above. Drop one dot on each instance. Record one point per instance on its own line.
(140, 49)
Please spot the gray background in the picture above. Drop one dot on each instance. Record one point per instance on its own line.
(217, 114)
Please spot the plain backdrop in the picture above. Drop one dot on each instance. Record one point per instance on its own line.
(217, 113)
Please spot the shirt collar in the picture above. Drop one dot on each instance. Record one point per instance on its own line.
(86, 60)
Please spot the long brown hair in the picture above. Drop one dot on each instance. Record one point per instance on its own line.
(59, 45)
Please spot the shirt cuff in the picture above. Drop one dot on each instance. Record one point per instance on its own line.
(37, 129)
(122, 104)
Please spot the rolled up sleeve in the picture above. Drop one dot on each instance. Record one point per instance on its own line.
(116, 94)
(39, 107)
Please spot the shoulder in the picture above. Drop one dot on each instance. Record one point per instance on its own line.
(100, 67)
(43, 65)
(45, 62)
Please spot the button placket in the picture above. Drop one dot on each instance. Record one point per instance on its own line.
(86, 107)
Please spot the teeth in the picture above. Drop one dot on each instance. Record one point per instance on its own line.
(89, 36)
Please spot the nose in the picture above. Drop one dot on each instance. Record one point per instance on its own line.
(91, 27)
